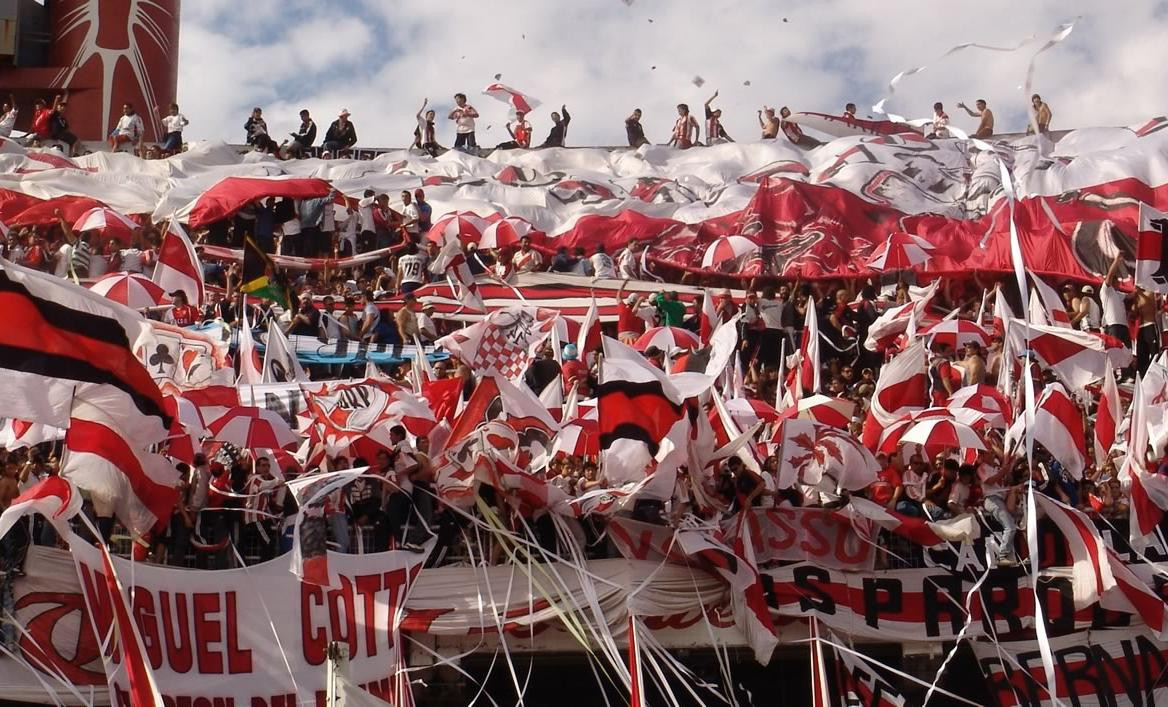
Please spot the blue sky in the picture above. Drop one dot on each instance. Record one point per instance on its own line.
(379, 58)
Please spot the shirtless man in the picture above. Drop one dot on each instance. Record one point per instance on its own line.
(985, 127)
(850, 111)
(1148, 337)
(974, 364)
(715, 133)
(1040, 115)
(769, 123)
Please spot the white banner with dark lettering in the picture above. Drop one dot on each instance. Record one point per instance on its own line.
(228, 633)
(1122, 667)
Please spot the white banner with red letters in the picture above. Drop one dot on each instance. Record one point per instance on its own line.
(257, 634)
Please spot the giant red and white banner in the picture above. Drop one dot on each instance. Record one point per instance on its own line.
(221, 634)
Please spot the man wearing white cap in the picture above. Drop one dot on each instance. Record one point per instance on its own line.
(341, 134)
(1087, 313)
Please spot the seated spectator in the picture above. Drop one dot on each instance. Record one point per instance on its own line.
(59, 126)
(634, 131)
(129, 129)
(304, 136)
(526, 259)
(520, 131)
(961, 492)
(8, 113)
(257, 131)
(341, 135)
(985, 126)
(424, 135)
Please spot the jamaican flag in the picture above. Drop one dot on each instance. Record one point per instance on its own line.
(259, 275)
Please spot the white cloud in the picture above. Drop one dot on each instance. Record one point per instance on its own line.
(380, 58)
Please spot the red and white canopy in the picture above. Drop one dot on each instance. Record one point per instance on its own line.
(507, 232)
(957, 333)
(726, 249)
(900, 252)
(747, 411)
(466, 226)
(668, 338)
(108, 221)
(131, 289)
(937, 434)
(835, 412)
(984, 399)
(253, 428)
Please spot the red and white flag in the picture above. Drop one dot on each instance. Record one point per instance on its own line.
(504, 342)
(251, 367)
(709, 317)
(807, 382)
(1098, 575)
(178, 266)
(903, 387)
(1003, 312)
(1148, 492)
(451, 262)
(54, 498)
(920, 531)
(1107, 417)
(1078, 358)
(18, 434)
(139, 487)
(1048, 308)
(517, 100)
(588, 339)
(1058, 426)
(862, 684)
(1152, 250)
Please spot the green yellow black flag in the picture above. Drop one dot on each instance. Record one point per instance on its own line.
(259, 274)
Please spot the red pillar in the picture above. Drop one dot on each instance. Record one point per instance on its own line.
(110, 52)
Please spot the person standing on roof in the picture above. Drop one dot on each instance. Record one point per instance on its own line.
(425, 135)
(985, 127)
(685, 128)
(463, 116)
(1039, 115)
(559, 129)
(634, 130)
(715, 133)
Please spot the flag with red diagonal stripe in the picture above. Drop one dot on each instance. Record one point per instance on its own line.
(1046, 307)
(53, 497)
(122, 478)
(901, 388)
(1078, 358)
(1058, 426)
(61, 342)
(922, 532)
(178, 266)
(1107, 417)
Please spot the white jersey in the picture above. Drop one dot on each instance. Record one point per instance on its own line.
(412, 268)
(602, 265)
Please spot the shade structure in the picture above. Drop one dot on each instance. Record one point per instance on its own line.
(937, 434)
(900, 252)
(507, 232)
(984, 399)
(956, 333)
(466, 226)
(667, 338)
(109, 222)
(579, 438)
(834, 412)
(253, 428)
(727, 249)
(131, 289)
(233, 193)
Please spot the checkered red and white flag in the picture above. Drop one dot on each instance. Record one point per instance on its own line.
(505, 342)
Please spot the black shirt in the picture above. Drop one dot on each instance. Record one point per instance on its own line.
(307, 133)
(635, 132)
(347, 135)
(555, 138)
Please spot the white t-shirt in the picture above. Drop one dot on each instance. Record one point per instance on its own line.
(371, 312)
(526, 262)
(131, 259)
(1090, 320)
(1114, 313)
(629, 267)
(8, 122)
(64, 257)
(985, 471)
(365, 214)
(602, 265)
(173, 123)
(412, 268)
(410, 213)
(130, 125)
(771, 312)
(464, 121)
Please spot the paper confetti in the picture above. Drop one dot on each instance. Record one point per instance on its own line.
(654, 68)
(498, 76)
(699, 81)
(746, 83)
